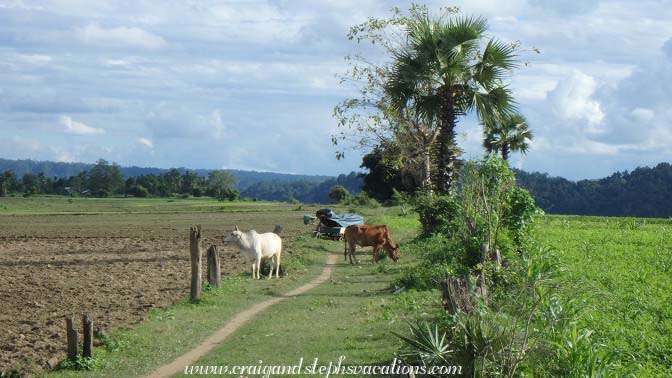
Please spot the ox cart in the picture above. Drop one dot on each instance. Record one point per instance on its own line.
(332, 226)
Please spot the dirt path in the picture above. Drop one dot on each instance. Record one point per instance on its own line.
(235, 323)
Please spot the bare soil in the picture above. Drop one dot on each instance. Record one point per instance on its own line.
(113, 267)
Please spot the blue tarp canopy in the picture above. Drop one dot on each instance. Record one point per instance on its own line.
(340, 220)
(345, 220)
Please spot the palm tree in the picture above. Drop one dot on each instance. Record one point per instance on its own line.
(443, 72)
(510, 134)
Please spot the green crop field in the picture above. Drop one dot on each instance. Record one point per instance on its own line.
(620, 272)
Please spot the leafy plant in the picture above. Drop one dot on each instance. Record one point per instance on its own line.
(426, 345)
(80, 363)
(439, 214)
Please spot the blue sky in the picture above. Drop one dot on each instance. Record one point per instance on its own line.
(252, 84)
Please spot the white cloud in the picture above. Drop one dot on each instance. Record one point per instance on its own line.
(572, 99)
(597, 97)
(146, 142)
(642, 114)
(119, 37)
(78, 128)
(35, 58)
(66, 157)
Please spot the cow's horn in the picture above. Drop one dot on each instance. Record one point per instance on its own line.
(236, 227)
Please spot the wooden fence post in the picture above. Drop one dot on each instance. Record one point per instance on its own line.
(195, 249)
(87, 350)
(278, 229)
(457, 294)
(214, 277)
(71, 335)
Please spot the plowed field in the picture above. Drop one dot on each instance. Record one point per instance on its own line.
(115, 267)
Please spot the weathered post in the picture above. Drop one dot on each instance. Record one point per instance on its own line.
(71, 335)
(195, 250)
(87, 350)
(496, 256)
(278, 229)
(214, 277)
(457, 294)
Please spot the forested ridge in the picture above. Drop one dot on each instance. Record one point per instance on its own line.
(643, 192)
(105, 179)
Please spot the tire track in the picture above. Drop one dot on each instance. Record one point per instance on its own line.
(235, 323)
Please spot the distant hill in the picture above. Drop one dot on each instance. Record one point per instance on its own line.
(644, 192)
(61, 169)
(269, 186)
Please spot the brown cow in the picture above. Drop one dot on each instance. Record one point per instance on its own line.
(369, 236)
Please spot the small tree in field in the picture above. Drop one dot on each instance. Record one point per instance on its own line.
(221, 185)
(339, 194)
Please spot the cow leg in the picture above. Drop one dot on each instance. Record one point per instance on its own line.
(353, 256)
(270, 270)
(345, 252)
(375, 254)
(253, 274)
(277, 265)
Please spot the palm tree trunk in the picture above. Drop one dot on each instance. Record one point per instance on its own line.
(446, 149)
(427, 168)
(505, 151)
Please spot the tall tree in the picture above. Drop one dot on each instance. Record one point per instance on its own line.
(509, 134)
(443, 73)
(221, 185)
(105, 179)
(7, 182)
(368, 120)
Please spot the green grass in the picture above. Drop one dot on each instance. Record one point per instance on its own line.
(351, 316)
(620, 270)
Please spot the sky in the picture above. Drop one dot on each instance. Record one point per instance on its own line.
(252, 84)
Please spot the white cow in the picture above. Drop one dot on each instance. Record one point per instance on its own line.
(255, 247)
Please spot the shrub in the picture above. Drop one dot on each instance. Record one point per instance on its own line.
(440, 255)
(438, 214)
(228, 194)
(363, 199)
(101, 193)
(138, 191)
(339, 194)
(518, 215)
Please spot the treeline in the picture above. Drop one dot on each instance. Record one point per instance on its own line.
(304, 191)
(644, 192)
(104, 179)
(64, 170)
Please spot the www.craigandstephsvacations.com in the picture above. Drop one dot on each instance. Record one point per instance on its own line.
(325, 370)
